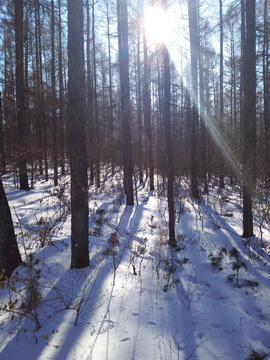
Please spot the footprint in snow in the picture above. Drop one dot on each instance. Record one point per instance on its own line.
(215, 325)
(200, 335)
(107, 325)
(135, 314)
(125, 339)
(151, 322)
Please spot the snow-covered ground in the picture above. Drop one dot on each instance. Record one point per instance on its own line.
(207, 299)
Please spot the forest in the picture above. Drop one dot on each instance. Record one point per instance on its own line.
(134, 179)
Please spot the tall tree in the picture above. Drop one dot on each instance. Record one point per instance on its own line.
(2, 147)
(203, 115)
(95, 100)
(242, 78)
(40, 102)
(89, 96)
(76, 130)
(266, 86)
(139, 92)
(122, 18)
(20, 94)
(221, 76)
(61, 93)
(54, 118)
(10, 257)
(111, 121)
(194, 46)
(147, 109)
(249, 68)
(168, 136)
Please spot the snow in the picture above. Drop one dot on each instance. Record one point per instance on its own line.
(139, 299)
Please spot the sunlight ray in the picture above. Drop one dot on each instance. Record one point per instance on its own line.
(176, 39)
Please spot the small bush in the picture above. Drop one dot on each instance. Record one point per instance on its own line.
(216, 261)
(257, 355)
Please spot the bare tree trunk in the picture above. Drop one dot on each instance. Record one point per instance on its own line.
(266, 88)
(61, 94)
(242, 79)
(54, 119)
(76, 128)
(194, 44)
(147, 111)
(96, 115)
(168, 137)
(203, 115)
(20, 95)
(139, 95)
(249, 177)
(10, 257)
(221, 119)
(38, 85)
(122, 17)
(41, 111)
(111, 121)
(90, 97)
(2, 147)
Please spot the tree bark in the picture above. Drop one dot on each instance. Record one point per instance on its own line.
(54, 118)
(194, 44)
(76, 128)
(10, 257)
(61, 94)
(221, 97)
(139, 95)
(89, 97)
(111, 121)
(168, 138)
(95, 100)
(20, 95)
(2, 146)
(147, 111)
(266, 88)
(122, 17)
(249, 155)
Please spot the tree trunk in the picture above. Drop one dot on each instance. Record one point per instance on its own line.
(266, 88)
(41, 121)
(37, 89)
(194, 44)
(249, 157)
(203, 119)
(61, 94)
(122, 17)
(111, 121)
(54, 119)
(168, 137)
(76, 127)
(147, 111)
(139, 95)
(96, 115)
(221, 113)
(20, 95)
(89, 97)
(2, 147)
(10, 257)
(242, 78)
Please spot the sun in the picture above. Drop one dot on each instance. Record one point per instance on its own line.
(158, 25)
(171, 29)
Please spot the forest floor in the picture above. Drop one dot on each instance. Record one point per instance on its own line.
(206, 299)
